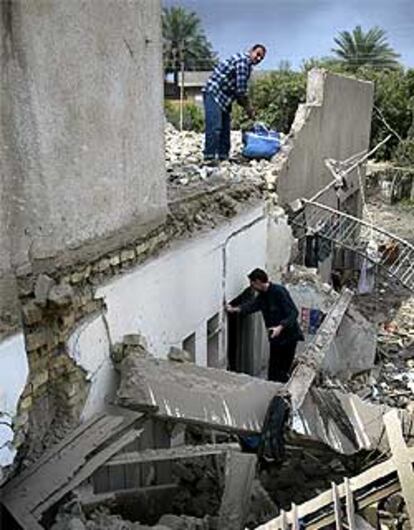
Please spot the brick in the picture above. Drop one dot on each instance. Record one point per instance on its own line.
(21, 421)
(40, 379)
(61, 295)
(67, 321)
(115, 260)
(32, 314)
(102, 265)
(43, 285)
(142, 247)
(77, 277)
(36, 340)
(26, 403)
(127, 255)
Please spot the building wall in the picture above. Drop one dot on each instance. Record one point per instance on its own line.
(83, 118)
(173, 296)
(334, 123)
(82, 175)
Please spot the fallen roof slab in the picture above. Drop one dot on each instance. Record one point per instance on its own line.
(345, 422)
(189, 393)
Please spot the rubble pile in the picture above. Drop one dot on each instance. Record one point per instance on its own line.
(102, 519)
(200, 487)
(184, 161)
(303, 474)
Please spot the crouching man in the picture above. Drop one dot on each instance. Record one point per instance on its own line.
(280, 316)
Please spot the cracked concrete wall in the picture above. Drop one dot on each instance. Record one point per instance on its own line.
(334, 122)
(82, 123)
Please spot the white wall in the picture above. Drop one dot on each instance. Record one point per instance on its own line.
(89, 346)
(14, 370)
(173, 295)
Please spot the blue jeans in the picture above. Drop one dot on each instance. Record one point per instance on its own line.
(217, 142)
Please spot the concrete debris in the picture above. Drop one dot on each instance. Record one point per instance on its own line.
(61, 295)
(184, 161)
(240, 471)
(44, 284)
(345, 422)
(179, 355)
(102, 519)
(131, 343)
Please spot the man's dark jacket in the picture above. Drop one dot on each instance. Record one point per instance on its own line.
(277, 308)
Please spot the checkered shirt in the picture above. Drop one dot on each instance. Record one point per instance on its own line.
(229, 80)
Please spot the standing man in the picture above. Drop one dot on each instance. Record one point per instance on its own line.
(227, 83)
(280, 316)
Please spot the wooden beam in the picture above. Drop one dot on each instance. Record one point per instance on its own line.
(91, 465)
(88, 499)
(402, 460)
(305, 372)
(175, 453)
(337, 507)
(350, 507)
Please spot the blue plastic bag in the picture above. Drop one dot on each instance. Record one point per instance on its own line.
(260, 142)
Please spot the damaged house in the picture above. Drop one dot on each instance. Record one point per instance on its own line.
(116, 261)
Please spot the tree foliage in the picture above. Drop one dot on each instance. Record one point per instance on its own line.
(184, 40)
(275, 98)
(193, 117)
(358, 48)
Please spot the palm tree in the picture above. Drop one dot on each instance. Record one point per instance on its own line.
(357, 49)
(185, 42)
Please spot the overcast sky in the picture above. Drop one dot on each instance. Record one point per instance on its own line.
(297, 29)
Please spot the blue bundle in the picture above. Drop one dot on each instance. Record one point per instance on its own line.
(260, 142)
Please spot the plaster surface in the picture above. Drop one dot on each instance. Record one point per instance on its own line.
(173, 295)
(89, 346)
(83, 120)
(334, 123)
(14, 370)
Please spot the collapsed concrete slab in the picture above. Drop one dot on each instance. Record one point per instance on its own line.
(221, 400)
(345, 422)
(189, 393)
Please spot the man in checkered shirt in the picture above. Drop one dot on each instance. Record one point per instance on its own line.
(227, 83)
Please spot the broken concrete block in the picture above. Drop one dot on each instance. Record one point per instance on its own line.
(61, 295)
(174, 522)
(190, 393)
(44, 284)
(179, 355)
(240, 471)
(135, 339)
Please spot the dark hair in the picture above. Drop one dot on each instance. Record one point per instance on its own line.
(258, 274)
(259, 46)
